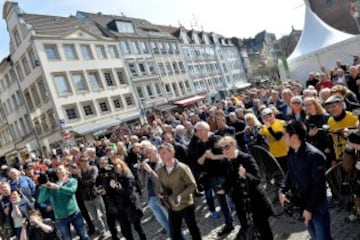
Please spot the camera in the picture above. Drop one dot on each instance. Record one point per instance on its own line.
(166, 192)
(291, 207)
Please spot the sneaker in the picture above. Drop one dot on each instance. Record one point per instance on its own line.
(225, 230)
(215, 214)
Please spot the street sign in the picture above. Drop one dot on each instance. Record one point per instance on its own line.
(67, 136)
(142, 112)
(62, 121)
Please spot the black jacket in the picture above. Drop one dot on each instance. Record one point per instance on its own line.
(259, 203)
(306, 176)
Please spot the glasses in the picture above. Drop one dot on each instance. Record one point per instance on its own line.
(226, 147)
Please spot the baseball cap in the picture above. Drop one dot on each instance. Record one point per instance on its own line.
(333, 99)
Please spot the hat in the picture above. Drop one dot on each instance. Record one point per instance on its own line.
(266, 111)
(333, 99)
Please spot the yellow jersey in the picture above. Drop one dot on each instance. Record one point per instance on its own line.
(347, 122)
(278, 148)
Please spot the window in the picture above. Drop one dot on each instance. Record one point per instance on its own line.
(9, 105)
(6, 110)
(175, 47)
(14, 100)
(103, 106)
(29, 100)
(169, 69)
(43, 92)
(144, 47)
(162, 47)
(79, 82)
(151, 67)
(140, 92)
(32, 57)
(118, 104)
(168, 48)
(13, 75)
(12, 132)
(162, 69)
(44, 124)
(121, 77)
(71, 112)
(158, 89)
(129, 100)
(17, 37)
(88, 109)
(100, 52)
(113, 52)
(70, 52)
(19, 72)
(132, 69)
(35, 95)
(175, 68)
(109, 79)
(187, 85)
(52, 52)
(149, 90)
(95, 82)
(19, 97)
(182, 90)
(167, 88)
(134, 47)
(86, 52)
(26, 65)
(22, 126)
(37, 127)
(175, 89)
(142, 68)
(61, 84)
(7, 80)
(182, 67)
(52, 119)
(3, 85)
(124, 47)
(154, 47)
(124, 27)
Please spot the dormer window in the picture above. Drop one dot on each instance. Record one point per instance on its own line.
(125, 26)
(16, 37)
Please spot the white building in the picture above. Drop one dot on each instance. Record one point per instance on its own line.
(70, 76)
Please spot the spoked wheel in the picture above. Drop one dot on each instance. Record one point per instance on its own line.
(271, 175)
(339, 183)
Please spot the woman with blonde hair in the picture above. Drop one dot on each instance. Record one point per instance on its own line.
(121, 190)
(316, 118)
(251, 132)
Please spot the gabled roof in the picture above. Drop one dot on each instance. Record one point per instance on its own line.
(58, 26)
(142, 28)
(316, 35)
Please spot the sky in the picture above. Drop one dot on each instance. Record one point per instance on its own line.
(239, 18)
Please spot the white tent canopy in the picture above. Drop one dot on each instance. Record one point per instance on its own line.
(319, 47)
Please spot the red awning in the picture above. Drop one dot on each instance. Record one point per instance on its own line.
(189, 101)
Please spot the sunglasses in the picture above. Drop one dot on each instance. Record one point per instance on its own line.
(226, 147)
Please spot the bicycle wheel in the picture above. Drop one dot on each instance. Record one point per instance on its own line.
(271, 174)
(339, 183)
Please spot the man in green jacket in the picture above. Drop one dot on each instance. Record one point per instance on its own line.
(175, 186)
(62, 196)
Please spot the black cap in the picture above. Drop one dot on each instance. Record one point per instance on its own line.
(333, 99)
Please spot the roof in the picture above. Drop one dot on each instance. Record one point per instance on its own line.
(316, 35)
(55, 25)
(143, 28)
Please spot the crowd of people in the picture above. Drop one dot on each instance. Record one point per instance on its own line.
(203, 151)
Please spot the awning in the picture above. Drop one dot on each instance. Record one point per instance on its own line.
(189, 101)
(242, 85)
(102, 124)
(165, 107)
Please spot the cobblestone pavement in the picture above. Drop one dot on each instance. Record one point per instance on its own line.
(283, 227)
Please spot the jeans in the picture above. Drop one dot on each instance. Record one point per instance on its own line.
(319, 225)
(77, 221)
(214, 182)
(160, 213)
(94, 207)
(175, 221)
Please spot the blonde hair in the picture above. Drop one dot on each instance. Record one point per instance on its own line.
(253, 117)
(228, 139)
(318, 108)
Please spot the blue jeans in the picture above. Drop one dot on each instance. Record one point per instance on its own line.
(160, 213)
(319, 225)
(77, 221)
(213, 183)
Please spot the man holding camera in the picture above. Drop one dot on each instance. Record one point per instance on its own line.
(176, 184)
(306, 180)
